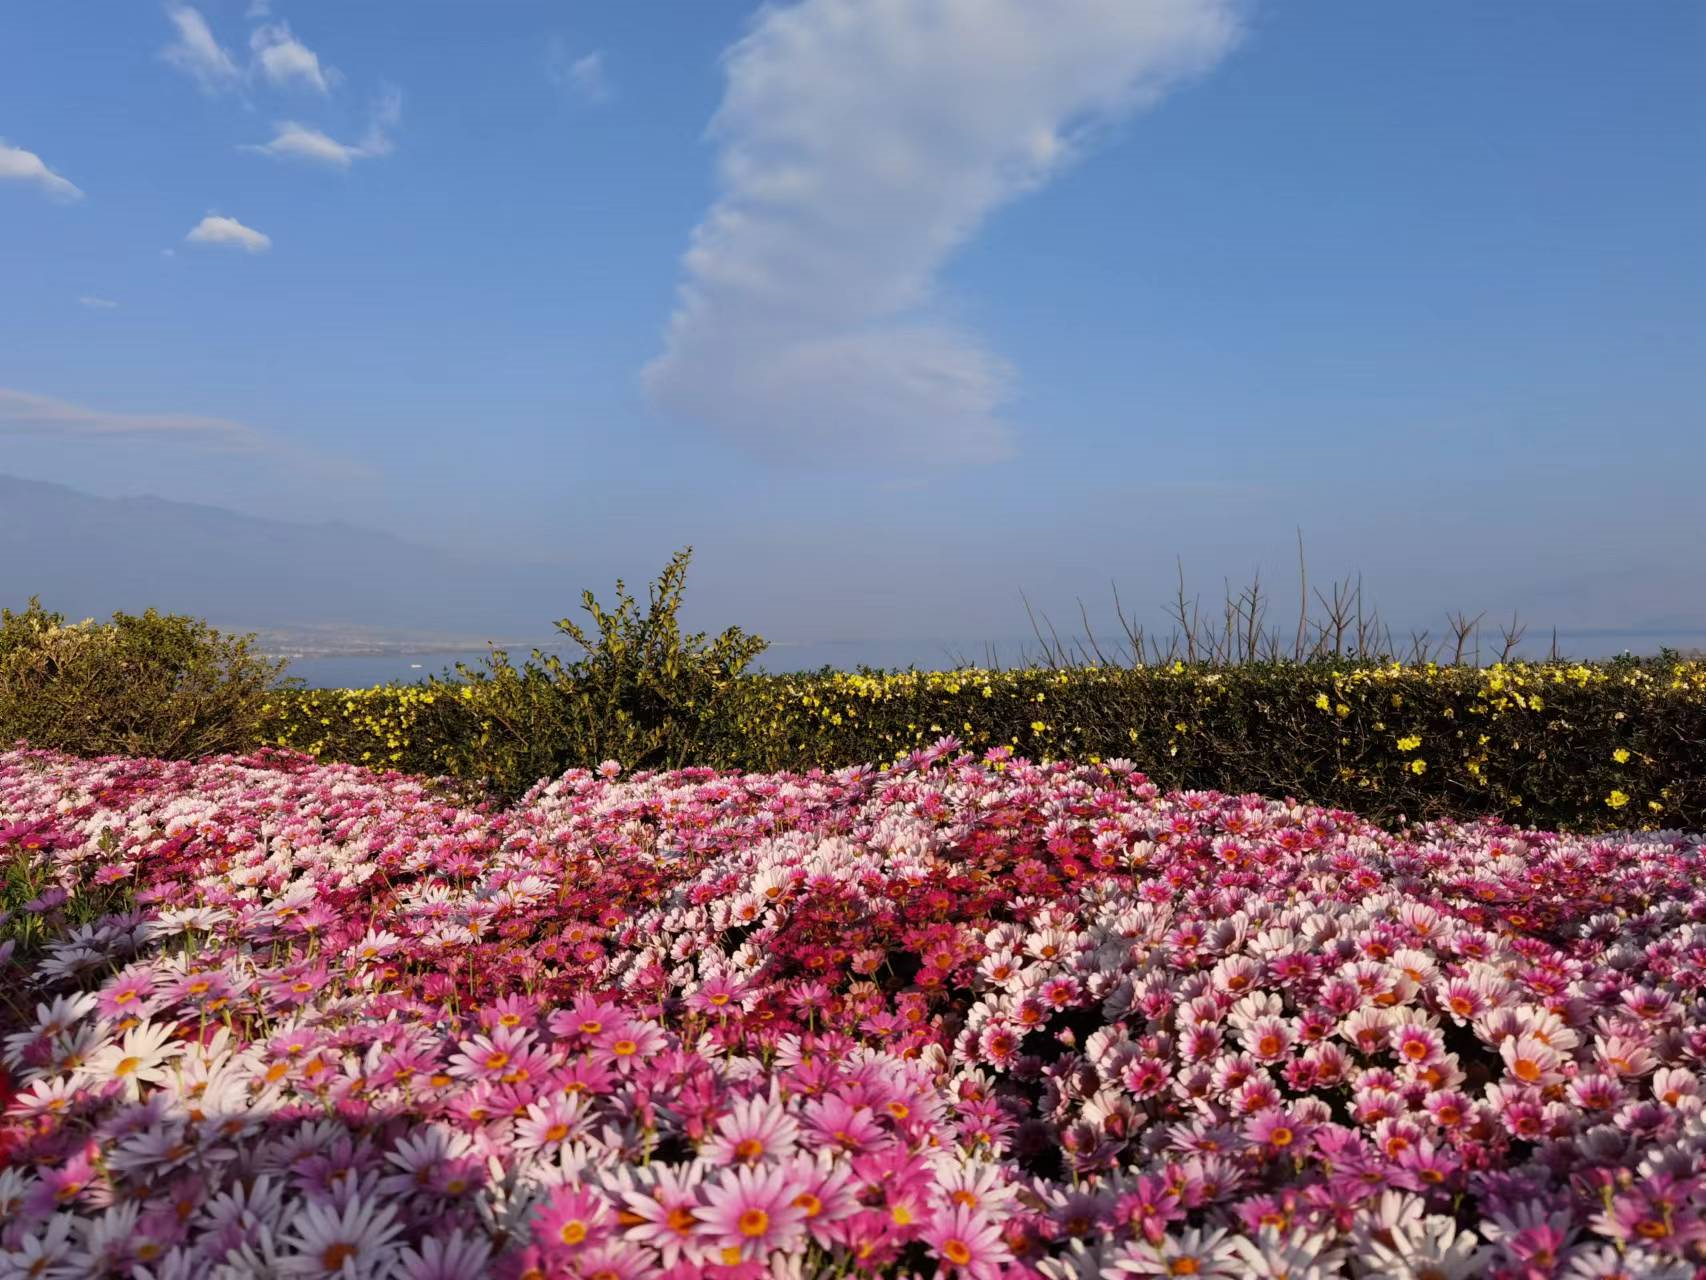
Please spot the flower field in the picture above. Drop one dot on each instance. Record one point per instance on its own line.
(965, 1016)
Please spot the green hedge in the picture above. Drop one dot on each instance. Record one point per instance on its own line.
(1566, 745)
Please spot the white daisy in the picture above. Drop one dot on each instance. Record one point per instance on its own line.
(48, 1253)
(457, 1258)
(351, 1244)
(1433, 1249)
(1296, 1255)
(58, 1015)
(142, 1057)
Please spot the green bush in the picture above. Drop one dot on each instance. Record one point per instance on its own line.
(146, 685)
(1577, 746)
(641, 694)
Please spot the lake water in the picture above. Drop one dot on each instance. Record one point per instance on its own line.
(363, 671)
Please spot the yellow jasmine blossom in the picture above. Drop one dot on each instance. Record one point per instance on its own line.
(1616, 799)
(1620, 755)
(1418, 766)
(1410, 743)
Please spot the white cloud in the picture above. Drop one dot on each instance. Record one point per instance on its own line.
(196, 53)
(23, 411)
(258, 9)
(585, 74)
(293, 141)
(18, 165)
(860, 143)
(299, 142)
(98, 304)
(282, 58)
(215, 229)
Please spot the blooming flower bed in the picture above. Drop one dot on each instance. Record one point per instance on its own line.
(968, 1017)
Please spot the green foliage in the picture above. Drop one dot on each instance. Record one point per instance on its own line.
(1575, 746)
(148, 685)
(641, 693)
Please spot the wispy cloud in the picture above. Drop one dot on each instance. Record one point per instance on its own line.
(196, 53)
(217, 230)
(282, 59)
(18, 165)
(585, 73)
(294, 141)
(860, 143)
(27, 413)
(98, 304)
(24, 411)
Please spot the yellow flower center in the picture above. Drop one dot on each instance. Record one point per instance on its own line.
(335, 1254)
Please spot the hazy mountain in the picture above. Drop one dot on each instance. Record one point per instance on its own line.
(88, 556)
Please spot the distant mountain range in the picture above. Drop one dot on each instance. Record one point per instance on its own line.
(321, 587)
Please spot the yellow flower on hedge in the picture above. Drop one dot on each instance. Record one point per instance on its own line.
(1418, 766)
(1616, 799)
(1322, 702)
(1037, 726)
(1620, 755)
(1341, 711)
(1410, 743)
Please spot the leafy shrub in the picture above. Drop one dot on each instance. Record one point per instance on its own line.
(641, 693)
(145, 685)
(1579, 746)
(1341, 722)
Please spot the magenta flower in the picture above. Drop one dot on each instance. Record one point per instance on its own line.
(751, 1213)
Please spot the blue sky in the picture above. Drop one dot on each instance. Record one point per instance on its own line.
(890, 308)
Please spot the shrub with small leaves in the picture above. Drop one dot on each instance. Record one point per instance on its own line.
(147, 684)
